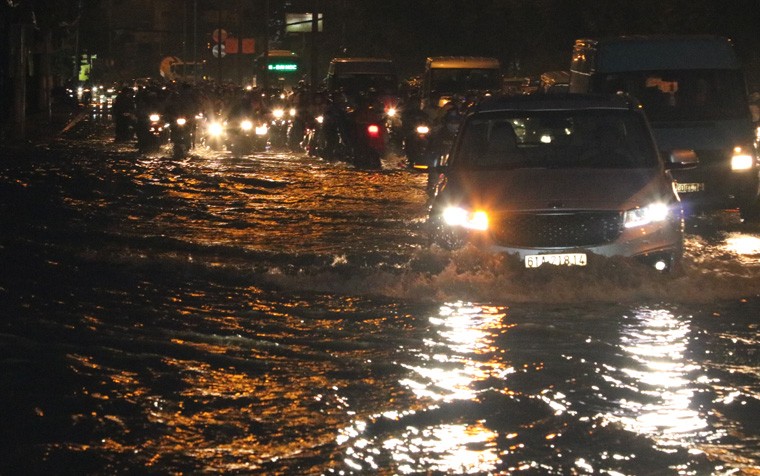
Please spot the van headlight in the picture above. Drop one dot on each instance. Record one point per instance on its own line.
(470, 219)
(742, 159)
(653, 213)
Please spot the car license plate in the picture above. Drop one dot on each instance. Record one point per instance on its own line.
(560, 259)
(690, 187)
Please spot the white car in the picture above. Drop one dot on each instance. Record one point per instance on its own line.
(557, 179)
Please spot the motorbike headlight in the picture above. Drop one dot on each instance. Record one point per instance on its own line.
(742, 159)
(262, 130)
(278, 113)
(320, 119)
(181, 121)
(422, 129)
(154, 117)
(471, 219)
(391, 112)
(246, 125)
(215, 129)
(653, 213)
(293, 112)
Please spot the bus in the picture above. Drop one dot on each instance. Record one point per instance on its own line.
(693, 91)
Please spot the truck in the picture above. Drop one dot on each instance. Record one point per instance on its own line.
(693, 92)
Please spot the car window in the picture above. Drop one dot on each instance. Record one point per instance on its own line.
(556, 139)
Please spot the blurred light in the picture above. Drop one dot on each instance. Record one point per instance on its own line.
(373, 130)
(741, 160)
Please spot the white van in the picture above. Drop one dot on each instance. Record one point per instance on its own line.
(693, 92)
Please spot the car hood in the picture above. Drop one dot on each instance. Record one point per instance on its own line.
(542, 189)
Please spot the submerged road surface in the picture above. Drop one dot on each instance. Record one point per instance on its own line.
(277, 314)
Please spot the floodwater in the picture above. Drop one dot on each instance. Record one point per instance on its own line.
(280, 315)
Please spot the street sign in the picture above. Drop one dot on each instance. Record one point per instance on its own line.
(219, 35)
(216, 51)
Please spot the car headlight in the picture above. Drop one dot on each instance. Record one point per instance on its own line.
(742, 159)
(215, 129)
(278, 113)
(473, 220)
(262, 130)
(653, 213)
(422, 129)
(246, 125)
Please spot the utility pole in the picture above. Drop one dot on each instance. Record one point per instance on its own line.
(314, 31)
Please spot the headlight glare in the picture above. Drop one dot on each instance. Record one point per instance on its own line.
(262, 130)
(278, 113)
(246, 125)
(215, 129)
(742, 159)
(653, 213)
(458, 216)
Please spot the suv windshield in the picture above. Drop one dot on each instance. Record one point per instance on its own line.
(682, 95)
(555, 139)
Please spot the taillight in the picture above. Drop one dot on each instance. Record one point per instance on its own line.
(373, 130)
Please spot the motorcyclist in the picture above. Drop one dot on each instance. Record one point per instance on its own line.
(124, 113)
(441, 139)
(183, 103)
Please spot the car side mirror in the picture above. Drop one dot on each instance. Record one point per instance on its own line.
(682, 159)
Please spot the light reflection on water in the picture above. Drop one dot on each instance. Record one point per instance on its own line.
(657, 341)
(450, 365)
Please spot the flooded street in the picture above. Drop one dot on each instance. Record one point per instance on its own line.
(278, 314)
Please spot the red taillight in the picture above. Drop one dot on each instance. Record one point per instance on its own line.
(373, 130)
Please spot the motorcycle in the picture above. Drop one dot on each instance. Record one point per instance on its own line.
(182, 136)
(214, 133)
(246, 135)
(357, 136)
(151, 132)
(416, 141)
(279, 125)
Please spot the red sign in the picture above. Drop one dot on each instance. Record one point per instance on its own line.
(219, 35)
(249, 46)
(231, 45)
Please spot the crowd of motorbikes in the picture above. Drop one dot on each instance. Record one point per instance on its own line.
(359, 129)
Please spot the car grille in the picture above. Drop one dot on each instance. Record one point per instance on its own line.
(558, 229)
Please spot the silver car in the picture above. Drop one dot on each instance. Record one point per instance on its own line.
(558, 179)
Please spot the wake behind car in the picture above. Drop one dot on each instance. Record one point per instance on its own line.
(559, 179)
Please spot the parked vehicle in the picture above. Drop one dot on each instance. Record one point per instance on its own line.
(693, 91)
(559, 179)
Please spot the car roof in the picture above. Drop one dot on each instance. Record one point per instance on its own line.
(556, 102)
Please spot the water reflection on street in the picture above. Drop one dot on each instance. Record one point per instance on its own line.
(277, 314)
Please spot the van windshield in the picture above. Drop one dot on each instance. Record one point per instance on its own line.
(353, 84)
(555, 139)
(688, 95)
(463, 80)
